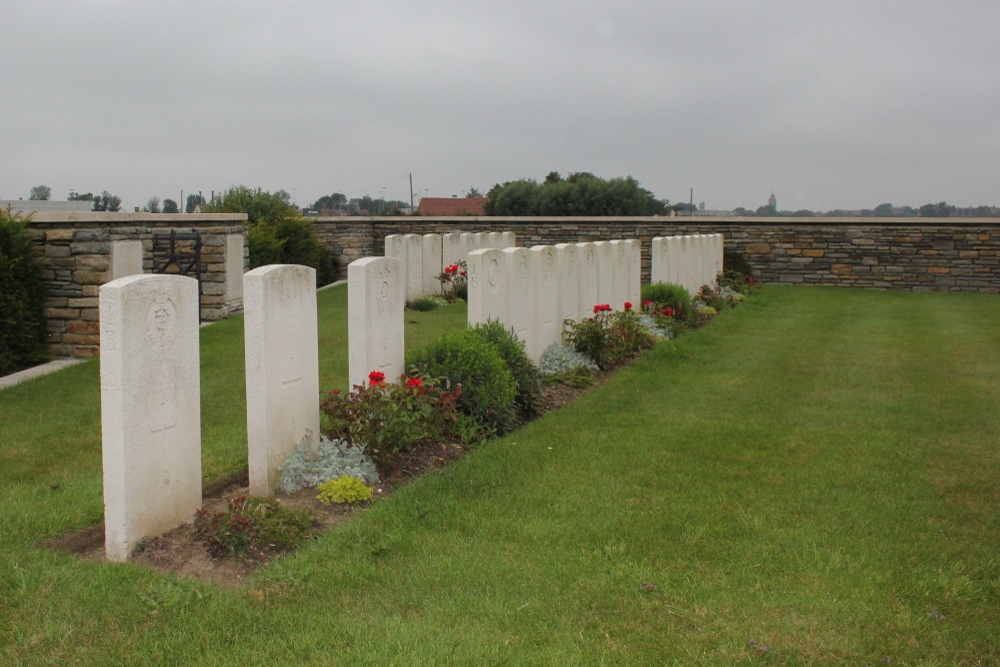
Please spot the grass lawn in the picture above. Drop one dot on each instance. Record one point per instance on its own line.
(815, 472)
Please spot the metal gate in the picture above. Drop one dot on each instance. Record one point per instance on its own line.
(179, 254)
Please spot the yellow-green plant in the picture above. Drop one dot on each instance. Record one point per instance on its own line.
(344, 489)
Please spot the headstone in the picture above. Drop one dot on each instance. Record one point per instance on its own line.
(720, 251)
(546, 327)
(432, 265)
(569, 287)
(589, 279)
(635, 272)
(150, 407)
(621, 259)
(126, 259)
(451, 249)
(673, 260)
(413, 245)
(375, 305)
(657, 259)
(521, 276)
(605, 274)
(487, 286)
(234, 267)
(282, 366)
(507, 240)
(494, 240)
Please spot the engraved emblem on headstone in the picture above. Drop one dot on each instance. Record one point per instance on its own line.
(383, 296)
(549, 266)
(493, 276)
(161, 324)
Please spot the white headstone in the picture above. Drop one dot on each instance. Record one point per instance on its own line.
(432, 263)
(605, 274)
(507, 240)
(150, 407)
(569, 283)
(521, 276)
(234, 267)
(467, 244)
(494, 240)
(375, 305)
(621, 257)
(451, 249)
(126, 259)
(657, 259)
(282, 366)
(413, 246)
(487, 286)
(588, 272)
(635, 272)
(720, 251)
(544, 294)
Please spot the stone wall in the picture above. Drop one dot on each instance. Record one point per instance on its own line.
(75, 250)
(941, 254)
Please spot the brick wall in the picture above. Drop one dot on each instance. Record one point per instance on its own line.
(75, 251)
(942, 254)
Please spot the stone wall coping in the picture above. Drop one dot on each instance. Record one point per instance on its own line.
(816, 221)
(128, 218)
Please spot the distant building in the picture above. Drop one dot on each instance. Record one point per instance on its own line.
(772, 201)
(452, 206)
(28, 206)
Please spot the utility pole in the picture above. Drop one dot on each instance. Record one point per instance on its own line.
(411, 191)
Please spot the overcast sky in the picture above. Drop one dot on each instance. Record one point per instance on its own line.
(829, 103)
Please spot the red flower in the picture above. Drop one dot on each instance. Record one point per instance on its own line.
(647, 303)
(601, 307)
(628, 305)
(376, 378)
(463, 274)
(668, 312)
(413, 383)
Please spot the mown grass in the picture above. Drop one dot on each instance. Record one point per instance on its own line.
(814, 472)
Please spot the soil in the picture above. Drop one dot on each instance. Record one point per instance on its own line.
(182, 551)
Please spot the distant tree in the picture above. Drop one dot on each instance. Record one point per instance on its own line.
(886, 210)
(803, 213)
(153, 205)
(41, 193)
(170, 206)
(107, 202)
(939, 210)
(579, 194)
(193, 202)
(287, 198)
(739, 210)
(335, 201)
(767, 210)
(75, 196)
(473, 192)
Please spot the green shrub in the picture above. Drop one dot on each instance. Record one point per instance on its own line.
(733, 260)
(344, 489)
(22, 298)
(276, 233)
(529, 399)
(427, 302)
(667, 294)
(488, 389)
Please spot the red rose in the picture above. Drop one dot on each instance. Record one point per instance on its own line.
(628, 305)
(376, 378)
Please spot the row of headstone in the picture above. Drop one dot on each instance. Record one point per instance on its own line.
(150, 393)
(534, 290)
(424, 256)
(692, 261)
